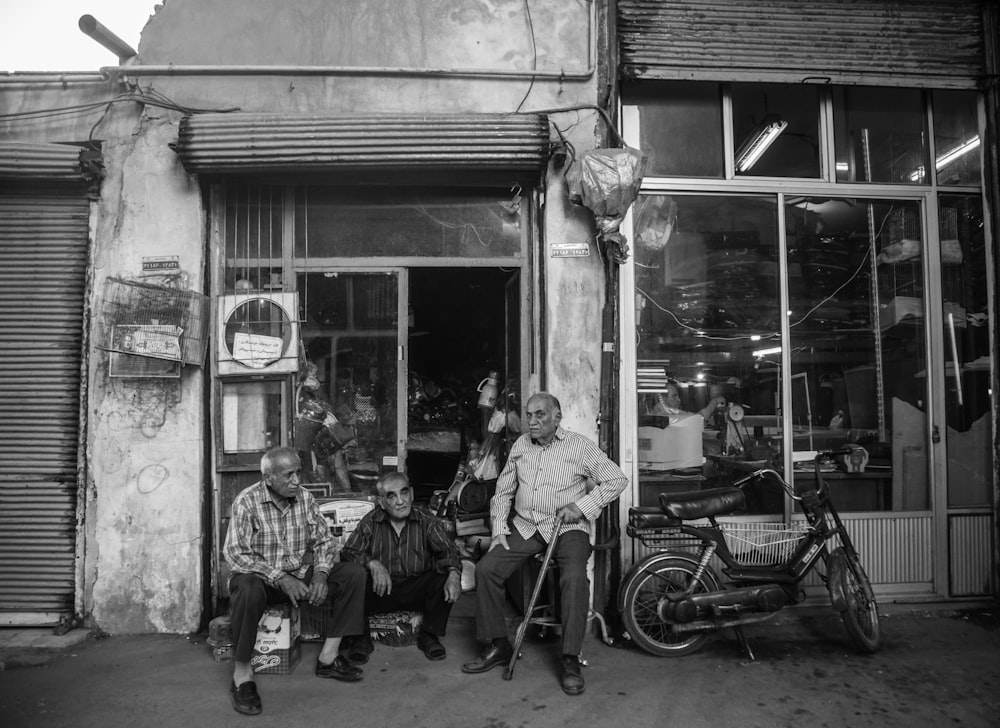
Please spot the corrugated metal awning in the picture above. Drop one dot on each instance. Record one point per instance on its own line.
(919, 43)
(260, 142)
(28, 162)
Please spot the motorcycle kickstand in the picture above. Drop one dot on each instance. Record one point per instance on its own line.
(744, 644)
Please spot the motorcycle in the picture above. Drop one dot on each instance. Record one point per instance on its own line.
(674, 599)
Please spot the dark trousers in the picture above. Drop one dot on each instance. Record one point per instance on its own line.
(424, 593)
(570, 555)
(250, 595)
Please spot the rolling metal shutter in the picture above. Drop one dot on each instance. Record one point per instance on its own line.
(43, 264)
(260, 142)
(919, 43)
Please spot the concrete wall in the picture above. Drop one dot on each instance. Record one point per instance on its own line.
(147, 440)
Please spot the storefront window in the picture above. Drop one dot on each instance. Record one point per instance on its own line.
(956, 138)
(252, 238)
(776, 130)
(341, 222)
(707, 297)
(857, 351)
(964, 286)
(680, 127)
(880, 135)
(345, 425)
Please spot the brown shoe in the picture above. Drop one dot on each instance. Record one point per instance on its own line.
(495, 654)
(572, 680)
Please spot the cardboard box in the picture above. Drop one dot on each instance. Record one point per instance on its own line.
(278, 649)
(679, 445)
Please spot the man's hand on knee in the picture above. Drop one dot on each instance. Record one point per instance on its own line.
(294, 588)
(499, 540)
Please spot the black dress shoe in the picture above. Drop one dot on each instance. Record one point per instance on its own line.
(245, 698)
(339, 669)
(492, 656)
(572, 680)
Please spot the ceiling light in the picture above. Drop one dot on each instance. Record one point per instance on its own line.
(764, 352)
(947, 158)
(758, 142)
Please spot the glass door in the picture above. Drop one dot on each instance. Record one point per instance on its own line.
(347, 424)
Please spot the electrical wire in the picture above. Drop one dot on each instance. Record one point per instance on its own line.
(534, 55)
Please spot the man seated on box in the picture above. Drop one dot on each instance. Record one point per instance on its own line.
(412, 562)
(275, 523)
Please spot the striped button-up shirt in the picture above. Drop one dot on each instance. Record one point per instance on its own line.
(421, 546)
(269, 541)
(541, 479)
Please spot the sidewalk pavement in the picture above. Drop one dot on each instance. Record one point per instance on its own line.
(939, 665)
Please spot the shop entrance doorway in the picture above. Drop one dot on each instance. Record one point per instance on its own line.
(399, 355)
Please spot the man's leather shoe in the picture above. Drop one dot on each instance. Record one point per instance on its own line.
(492, 656)
(245, 698)
(339, 669)
(572, 680)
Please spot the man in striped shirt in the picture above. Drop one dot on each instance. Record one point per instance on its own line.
(546, 481)
(414, 565)
(274, 524)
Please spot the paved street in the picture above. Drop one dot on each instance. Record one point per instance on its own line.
(937, 668)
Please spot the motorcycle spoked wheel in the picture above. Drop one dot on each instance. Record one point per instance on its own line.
(860, 615)
(649, 581)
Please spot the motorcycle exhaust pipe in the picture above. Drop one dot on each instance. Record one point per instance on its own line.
(765, 598)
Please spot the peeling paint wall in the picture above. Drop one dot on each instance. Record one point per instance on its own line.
(146, 437)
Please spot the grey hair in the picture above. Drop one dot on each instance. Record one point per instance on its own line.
(275, 454)
(391, 475)
(549, 399)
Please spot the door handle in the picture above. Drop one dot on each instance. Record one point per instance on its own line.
(935, 434)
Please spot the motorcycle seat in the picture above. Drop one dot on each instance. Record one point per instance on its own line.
(644, 517)
(696, 504)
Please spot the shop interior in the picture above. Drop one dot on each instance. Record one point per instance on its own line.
(461, 338)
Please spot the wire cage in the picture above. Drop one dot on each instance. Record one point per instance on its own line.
(150, 321)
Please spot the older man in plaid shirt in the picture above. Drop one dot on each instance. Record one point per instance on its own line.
(275, 523)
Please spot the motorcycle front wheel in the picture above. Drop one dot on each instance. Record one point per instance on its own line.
(858, 611)
(647, 583)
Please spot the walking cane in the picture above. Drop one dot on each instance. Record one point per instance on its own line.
(508, 673)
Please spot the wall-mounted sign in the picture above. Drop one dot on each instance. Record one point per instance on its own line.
(161, 264)
(256, 351)
(569, 250)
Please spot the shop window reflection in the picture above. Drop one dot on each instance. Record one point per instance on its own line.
(707, 297)
(857, 350)
(880, 135)
(964, 286)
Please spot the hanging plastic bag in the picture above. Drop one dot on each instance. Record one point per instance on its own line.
(607, 182)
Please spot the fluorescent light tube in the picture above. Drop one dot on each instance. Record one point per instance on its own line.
(762, 138)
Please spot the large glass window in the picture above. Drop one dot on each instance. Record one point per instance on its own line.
(776, 130)
(857, 353)
(956, 138)
(340, 222)
(681, 127)
(881, 134)
(964, 286)
(707, 297)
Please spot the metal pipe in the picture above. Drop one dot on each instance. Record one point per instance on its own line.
(259, 70)
(90, 25)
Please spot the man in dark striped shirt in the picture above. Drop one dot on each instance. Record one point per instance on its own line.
(412, 563)
(546, 481)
